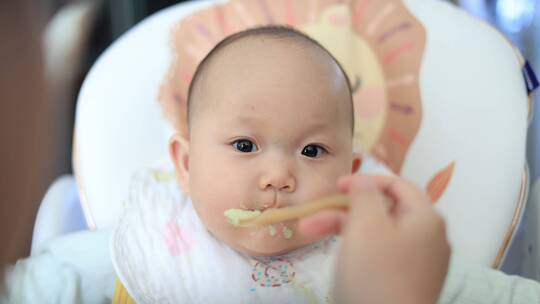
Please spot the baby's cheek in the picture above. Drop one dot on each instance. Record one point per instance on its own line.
(324, 182)
(212, 203)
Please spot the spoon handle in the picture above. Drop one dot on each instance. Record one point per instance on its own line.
(272, 216)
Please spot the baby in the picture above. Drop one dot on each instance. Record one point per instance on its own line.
(271, 125)
(270, 119)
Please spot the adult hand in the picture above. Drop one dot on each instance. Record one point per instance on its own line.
(388, 254)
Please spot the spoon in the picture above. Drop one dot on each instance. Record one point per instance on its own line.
(276, 215)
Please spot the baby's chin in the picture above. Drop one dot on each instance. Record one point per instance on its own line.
(275, 245)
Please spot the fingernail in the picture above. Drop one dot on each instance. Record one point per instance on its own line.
(364, 184)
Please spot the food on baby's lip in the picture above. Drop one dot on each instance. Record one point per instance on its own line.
(236, 215)
(272, 230)
(287, 232)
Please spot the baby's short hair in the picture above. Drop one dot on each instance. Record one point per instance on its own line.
(272, 31)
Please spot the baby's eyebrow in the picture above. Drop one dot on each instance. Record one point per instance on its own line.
(318, 125)
(308, 126)
(248, 120)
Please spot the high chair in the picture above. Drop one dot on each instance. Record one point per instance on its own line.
(440, 99)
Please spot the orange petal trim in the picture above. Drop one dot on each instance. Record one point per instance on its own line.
(439, 182)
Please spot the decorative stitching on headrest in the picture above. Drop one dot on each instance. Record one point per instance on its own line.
(531, 82)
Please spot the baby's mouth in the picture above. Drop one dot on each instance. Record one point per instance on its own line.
(268, 206)
(236, 216)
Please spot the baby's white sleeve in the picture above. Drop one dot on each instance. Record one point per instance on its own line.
(473, 284)
(75, 268)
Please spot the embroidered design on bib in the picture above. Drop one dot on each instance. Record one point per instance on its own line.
(273, 273)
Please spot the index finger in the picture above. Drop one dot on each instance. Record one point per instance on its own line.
(403, 192)
(381, 181)
(367, 202)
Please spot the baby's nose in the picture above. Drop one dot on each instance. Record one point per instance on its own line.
(278, 180)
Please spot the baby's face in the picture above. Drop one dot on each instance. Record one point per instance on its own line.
(271, 133)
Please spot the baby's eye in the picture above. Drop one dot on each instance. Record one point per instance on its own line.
(313, 151)
(245, 145)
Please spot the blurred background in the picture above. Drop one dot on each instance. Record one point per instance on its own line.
(75, 33)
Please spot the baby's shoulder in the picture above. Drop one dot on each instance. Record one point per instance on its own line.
(151, 186)
(148, 179)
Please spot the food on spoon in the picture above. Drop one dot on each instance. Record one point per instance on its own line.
(235, 216)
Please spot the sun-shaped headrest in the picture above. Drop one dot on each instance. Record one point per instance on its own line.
(439, 98)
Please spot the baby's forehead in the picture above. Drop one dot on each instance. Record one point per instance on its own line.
(268, 66)
(281, 66)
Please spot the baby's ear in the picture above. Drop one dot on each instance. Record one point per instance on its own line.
(179, 150)
(356, 163)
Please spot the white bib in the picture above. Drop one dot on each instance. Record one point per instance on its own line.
(162, 253)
